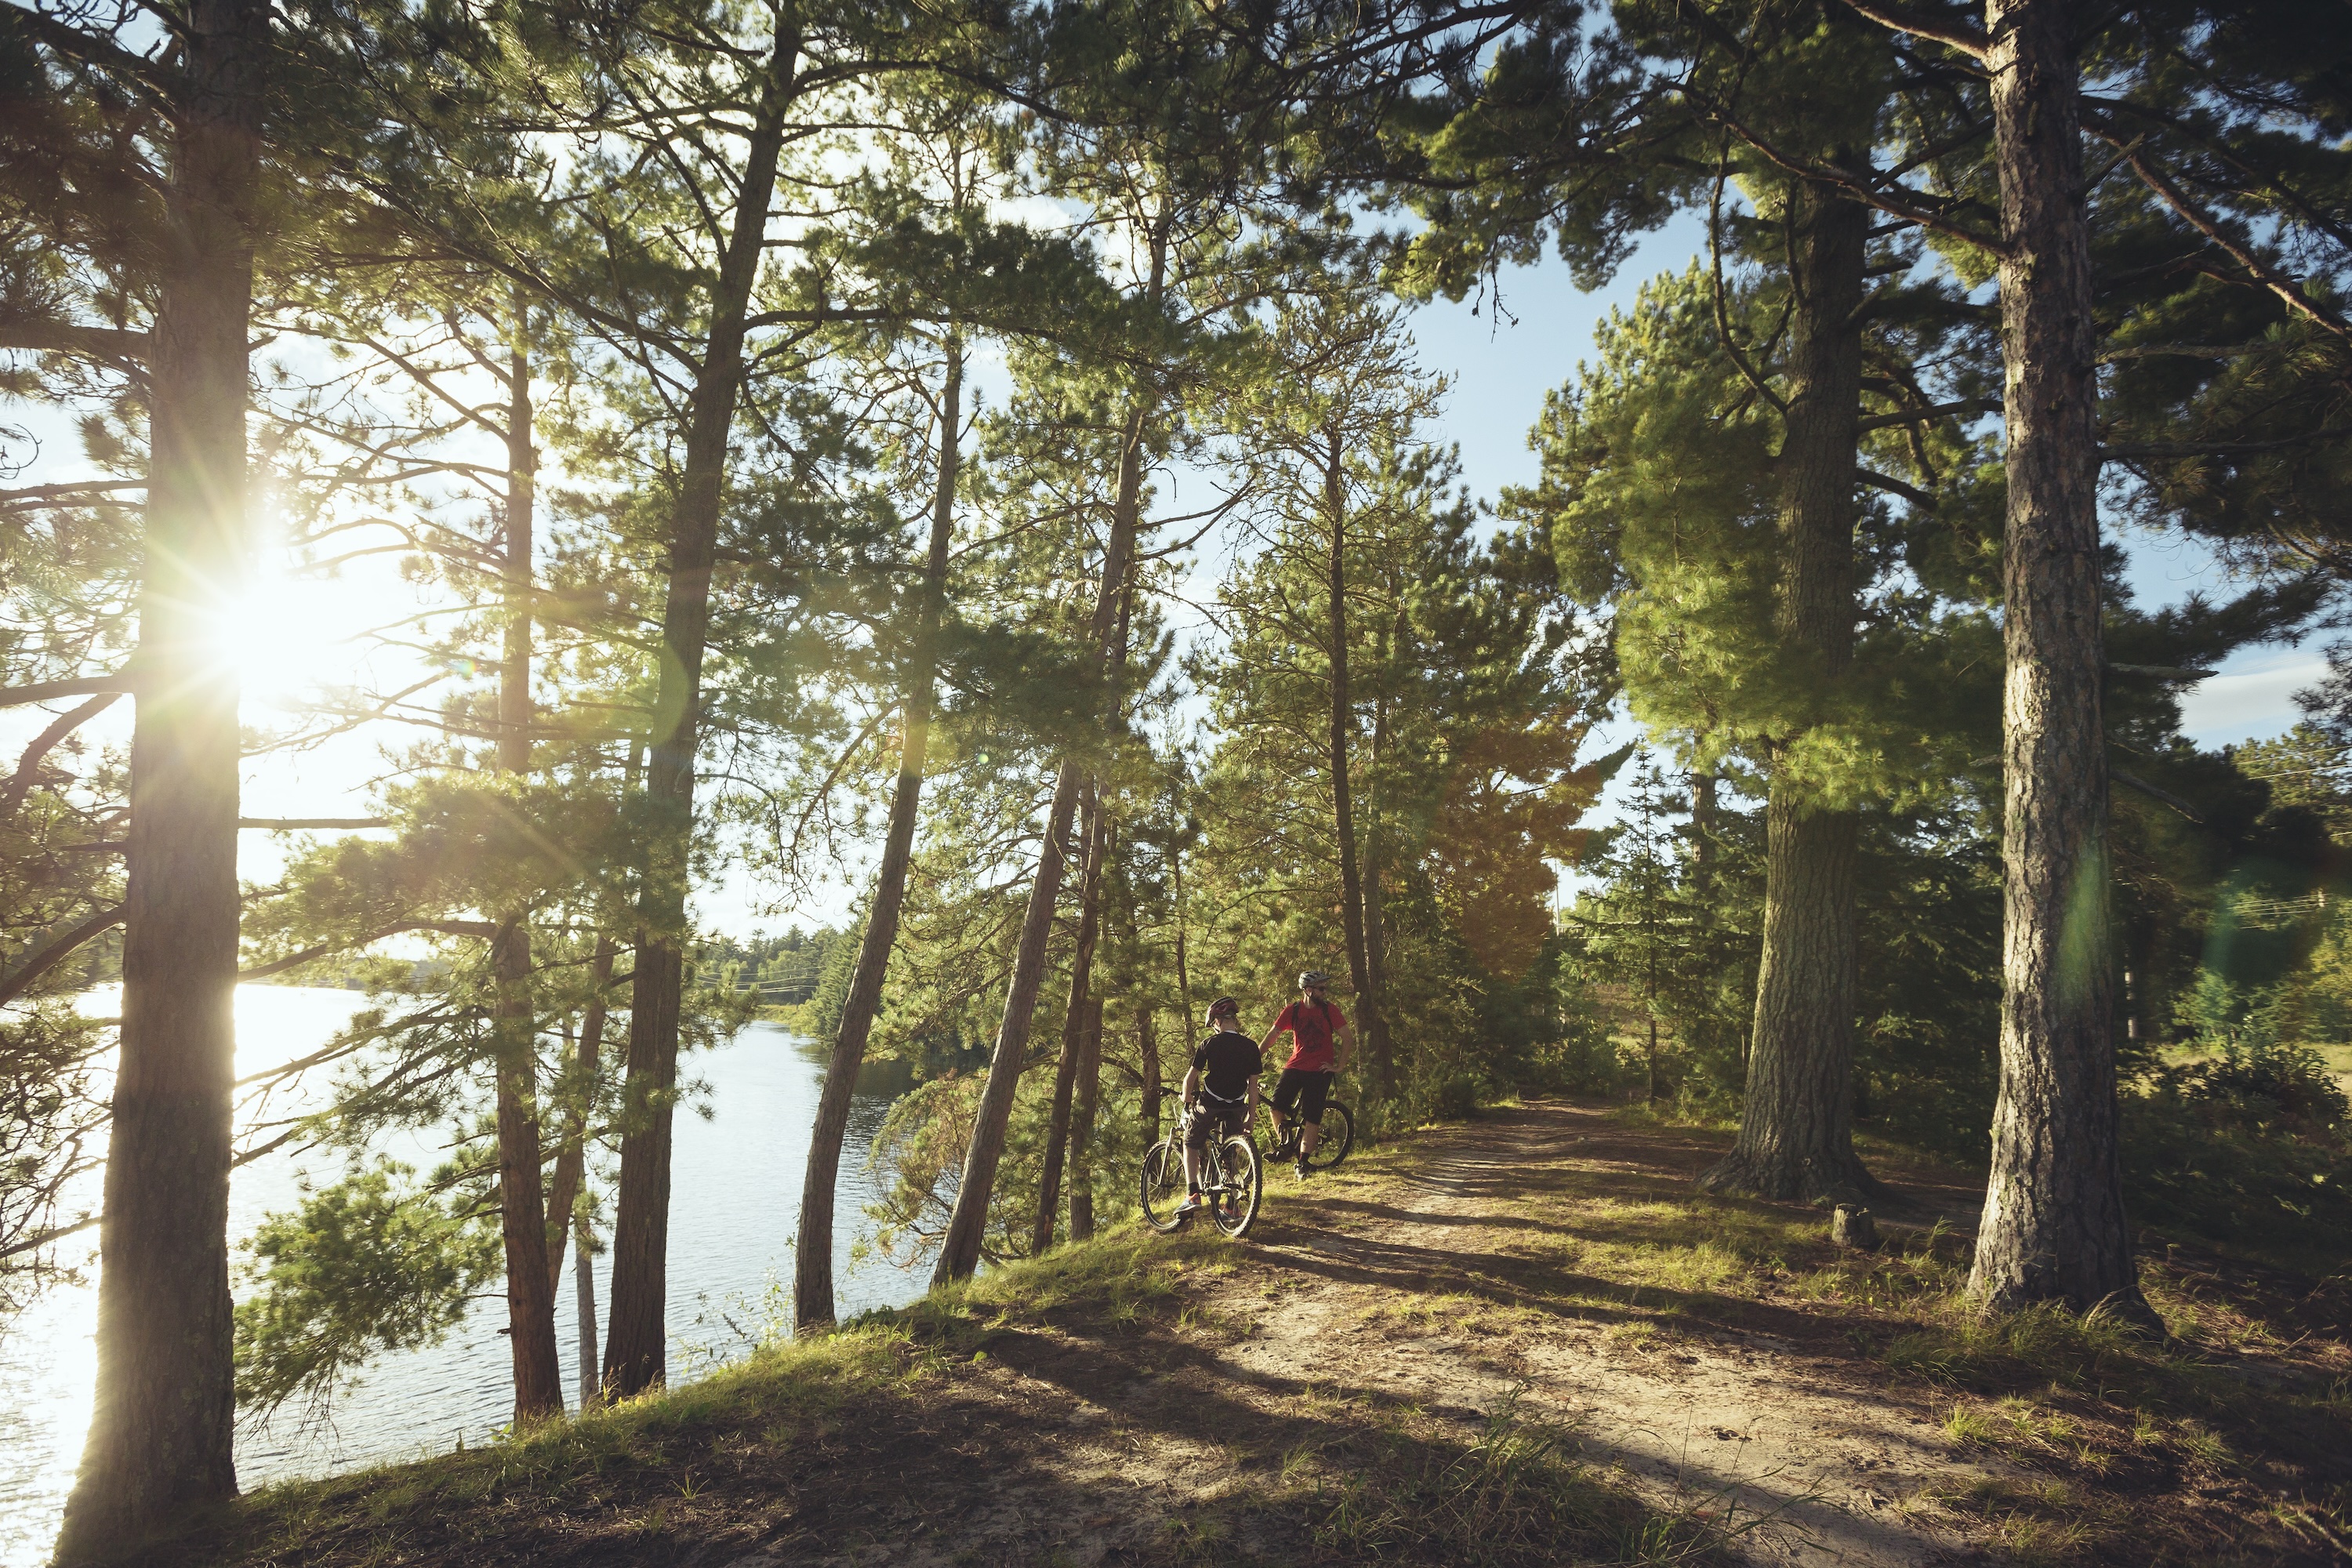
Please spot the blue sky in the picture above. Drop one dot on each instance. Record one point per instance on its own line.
(1501, 366)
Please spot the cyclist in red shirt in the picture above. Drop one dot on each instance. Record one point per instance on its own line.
(1320, 1041)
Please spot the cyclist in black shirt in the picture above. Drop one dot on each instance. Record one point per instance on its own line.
(1220, 1092)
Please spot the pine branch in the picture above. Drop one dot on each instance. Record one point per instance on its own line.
(50, 690)
(1895, 486)
(54, 952)
(13, 793)
(2163, 797)
(1897, 18)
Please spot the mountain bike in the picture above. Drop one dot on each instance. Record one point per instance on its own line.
(1337, 1135)
(1231, 1180)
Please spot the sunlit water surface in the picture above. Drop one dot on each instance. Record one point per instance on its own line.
(734, 1207)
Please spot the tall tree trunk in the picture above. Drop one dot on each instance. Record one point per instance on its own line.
(1087, 1091)
(588, 1072)
(967, 1222)
(812, 1306)
(968, 1225)
(635, 1348)
(1065, 1066)
(1082, 1120)
(1351, 888)
(1703, 810)
(960, 1250)
(522, 1211)
(572, 1157)
(1183, 962)
(1071, 1067)
(2054, 1228)
(1376, 925)
(583, 1302)
(1147, 1034)
(1796, 1126)
(161, 1433)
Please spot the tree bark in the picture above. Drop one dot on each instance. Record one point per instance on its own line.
(571, 1158)
(635, 1334)
(1146, 1028)
(1065, 1064)
(583, 1302)
(1703, 789)
(161, 1433)
(1369, 1023)
(2054, 1228)
(1082, 1120)
(813, 1305)
(960, 1250)
(522, 1210)
(1796, 1125)
(1184, 960)
(1376, 925)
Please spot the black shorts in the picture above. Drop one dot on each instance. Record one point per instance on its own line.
(1308, 1089)
(1209, 1118)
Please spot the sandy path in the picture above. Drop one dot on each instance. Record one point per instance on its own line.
(1763, 1426)
(1092, 1449)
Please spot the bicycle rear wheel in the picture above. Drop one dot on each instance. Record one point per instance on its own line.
(1245, 1184)
(1163, 1185)
(1334, 1136)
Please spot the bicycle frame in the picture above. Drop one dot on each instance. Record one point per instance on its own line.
(1232, 1193)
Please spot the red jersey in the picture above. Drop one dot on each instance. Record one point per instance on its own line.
(1311, 1025)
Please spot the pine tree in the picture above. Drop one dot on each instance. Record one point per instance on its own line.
(1666, 502)
(159, 1439)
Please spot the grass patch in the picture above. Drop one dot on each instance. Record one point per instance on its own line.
(2035, 1525)
(1120, 1280)
(660, 1467)
(646, 1462)
(1455, 1314)
(1517, 1493)
(2041, 1344)
(1087, 1380)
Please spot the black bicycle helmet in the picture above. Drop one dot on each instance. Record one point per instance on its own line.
(1224, 1006)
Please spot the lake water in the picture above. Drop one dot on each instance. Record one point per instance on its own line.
(734, 1206)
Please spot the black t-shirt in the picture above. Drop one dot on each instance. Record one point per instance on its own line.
(1227, 1062)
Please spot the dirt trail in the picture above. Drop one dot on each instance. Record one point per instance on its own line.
(1747, 1423)
(1441, 1294)
(1524, 1341)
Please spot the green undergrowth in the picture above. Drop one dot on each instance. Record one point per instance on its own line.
(1120, 1280)
(648, 1447)
(2250, 1391)
(1518, 1492)
(2254, 1390)
(652, 1458)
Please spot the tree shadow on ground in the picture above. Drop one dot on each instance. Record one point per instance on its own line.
(1142, 1447)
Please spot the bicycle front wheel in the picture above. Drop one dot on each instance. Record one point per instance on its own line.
(1245, 1184)
(1163, 1185)
(1334, 1136)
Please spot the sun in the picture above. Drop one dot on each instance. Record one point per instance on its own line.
(289, 636)
(271, 638)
